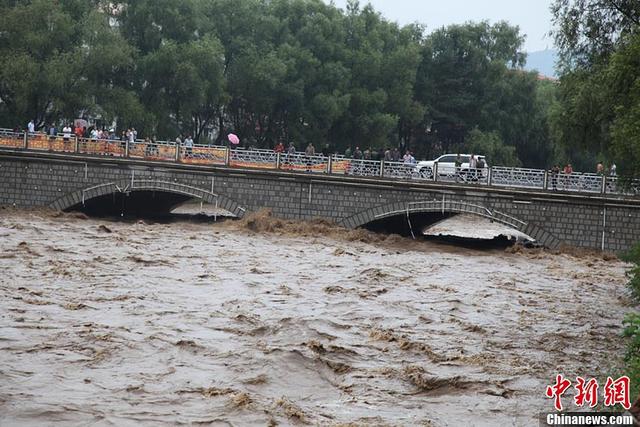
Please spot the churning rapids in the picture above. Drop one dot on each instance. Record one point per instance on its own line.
(263, 322)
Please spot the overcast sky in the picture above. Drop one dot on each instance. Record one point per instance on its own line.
(532, 16)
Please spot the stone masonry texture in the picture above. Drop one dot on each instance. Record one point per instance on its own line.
(62, 181)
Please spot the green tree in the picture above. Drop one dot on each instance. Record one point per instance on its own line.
(599, 102)
(587, 32)
(55, 58)
(491, 145)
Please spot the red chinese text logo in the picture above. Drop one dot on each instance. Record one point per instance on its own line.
(557, 390)
(615, 392)
(586, 392)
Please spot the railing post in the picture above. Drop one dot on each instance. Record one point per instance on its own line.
(382, 168)
(227, 157)
(177, 152)
(490, 177)
(330, 165)
(76, 144)
(26, 140)
(435, 172)
(604, 184)
(126, 148)
(278, 161)
(545, 182)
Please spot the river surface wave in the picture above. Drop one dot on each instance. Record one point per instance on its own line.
(264, 322)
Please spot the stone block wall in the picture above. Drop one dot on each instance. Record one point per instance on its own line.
(59, 181)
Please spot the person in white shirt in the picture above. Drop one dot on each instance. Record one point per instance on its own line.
(188, 145)
(473, 165)
(66, 132)
(31, 127)
(408, 158)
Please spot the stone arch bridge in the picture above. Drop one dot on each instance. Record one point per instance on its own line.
(63, 182)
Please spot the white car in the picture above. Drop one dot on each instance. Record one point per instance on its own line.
(446, 166)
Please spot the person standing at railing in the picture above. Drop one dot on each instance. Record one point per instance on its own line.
(555, 171)
(357, 163)
(347, 153)
(367, 154)
(395, 154)
(279, 148)
(78, 131)
(409, 163)
(480, 165)
(473, 165)
(31, 127)
(611, 183)
(600, 169)
(188, 145)
(408, 158)
(310, 151)
(66, 133)
(52, 132)
(131, 137)
(568, 170)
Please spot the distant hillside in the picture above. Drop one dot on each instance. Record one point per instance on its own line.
(543, 61)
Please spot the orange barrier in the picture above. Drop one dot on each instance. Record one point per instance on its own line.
(253, 165)
(51, 143)
(152, 151)
(12, 141)
(102, 147)
(319, 167)
(340, 166)
(203, 156)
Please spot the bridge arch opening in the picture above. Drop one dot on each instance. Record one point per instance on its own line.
(427, 220)
(149, 199)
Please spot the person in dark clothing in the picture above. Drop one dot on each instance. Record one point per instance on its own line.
(555, 171)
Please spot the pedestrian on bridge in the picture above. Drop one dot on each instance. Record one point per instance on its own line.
(66, 133)
(568, 170)
(555, 171)
(311, 150)
(188, 144)
(473, 167)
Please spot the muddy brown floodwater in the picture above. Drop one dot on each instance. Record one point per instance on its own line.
(262, 322)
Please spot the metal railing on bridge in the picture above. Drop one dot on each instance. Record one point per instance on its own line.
(496, 176)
